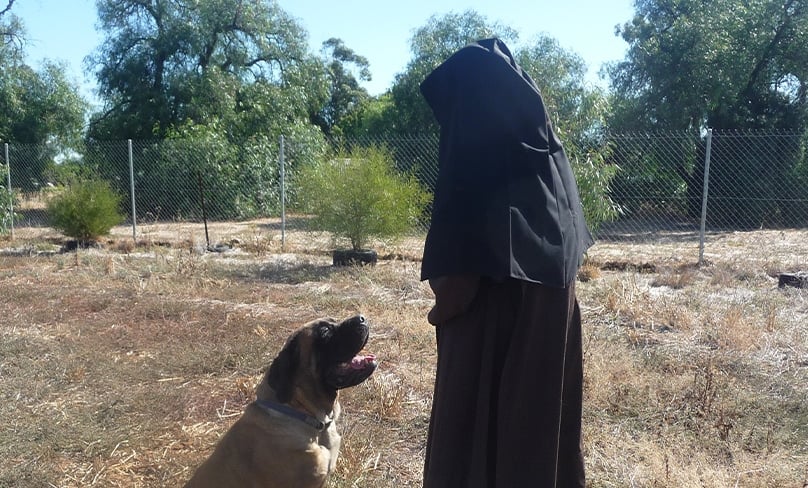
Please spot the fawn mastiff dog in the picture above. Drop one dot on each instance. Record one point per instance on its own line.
(287, 438)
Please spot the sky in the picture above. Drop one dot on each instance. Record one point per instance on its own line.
(64, 30)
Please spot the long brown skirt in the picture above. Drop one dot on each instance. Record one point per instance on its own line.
(506, 410)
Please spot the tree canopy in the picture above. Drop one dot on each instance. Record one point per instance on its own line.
(345, 93)
(165, 64)
(11, 31)
(42, 109)
(723, 65)
(38, 105)
(734, 65)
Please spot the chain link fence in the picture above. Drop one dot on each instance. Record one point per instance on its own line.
(751, 180)
(676, 188)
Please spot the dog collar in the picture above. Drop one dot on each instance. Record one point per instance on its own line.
(307, 419)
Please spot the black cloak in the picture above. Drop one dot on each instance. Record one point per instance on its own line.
(506, 203)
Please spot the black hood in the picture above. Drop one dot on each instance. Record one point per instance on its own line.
(506, 203)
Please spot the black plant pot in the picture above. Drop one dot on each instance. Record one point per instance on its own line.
(73, 244)
(350, 257)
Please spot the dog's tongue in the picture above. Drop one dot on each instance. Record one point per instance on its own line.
(359, 362)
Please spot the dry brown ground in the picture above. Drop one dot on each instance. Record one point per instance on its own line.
(121, 367)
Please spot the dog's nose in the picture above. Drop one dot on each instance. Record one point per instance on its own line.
(361, 318)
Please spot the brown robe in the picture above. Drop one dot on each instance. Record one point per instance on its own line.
(507, 405)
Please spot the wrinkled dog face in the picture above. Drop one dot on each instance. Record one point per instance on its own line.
(339, 345)
(323, 355)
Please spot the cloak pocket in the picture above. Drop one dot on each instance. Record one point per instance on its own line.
(453, 296)
(535, 157)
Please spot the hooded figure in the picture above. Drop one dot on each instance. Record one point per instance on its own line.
(502, 253)
(506, 203)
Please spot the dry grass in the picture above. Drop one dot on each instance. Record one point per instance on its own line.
(121, 367)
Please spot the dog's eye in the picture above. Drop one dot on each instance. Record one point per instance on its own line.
(326, 331)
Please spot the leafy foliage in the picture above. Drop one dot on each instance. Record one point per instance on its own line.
(658, 172)
(345, 93)
(7, 201)
(730, 66)
(166, 64)
(769, 191)
(41, 108)
(373, 117)
(358, 196)
(217, 83)
(85, 210)
(595, 176)
(11, 33)
(240, 178)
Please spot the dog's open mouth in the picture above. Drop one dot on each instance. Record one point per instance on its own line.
(362, 362)
(353, 372)
(359, 365)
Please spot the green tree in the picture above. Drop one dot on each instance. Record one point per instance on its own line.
(43, 113)
(730, 66)
(345, 93)
(239, 180)
(7, 203)
(165, 63)
(595, 177)
(373, 118)
(40, 105)
(11, 31)
(232, 75)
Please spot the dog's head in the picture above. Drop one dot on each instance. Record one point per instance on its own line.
(321, 358)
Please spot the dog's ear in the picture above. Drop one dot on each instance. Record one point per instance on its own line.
(282, 370)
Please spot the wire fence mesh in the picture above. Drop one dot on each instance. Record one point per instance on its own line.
(675, 187)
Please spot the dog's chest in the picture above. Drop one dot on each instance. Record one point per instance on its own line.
(329, 441)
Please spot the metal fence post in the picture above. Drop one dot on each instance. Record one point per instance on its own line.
(704, 195)
(132, 189)
(10, 193)
(283, 194)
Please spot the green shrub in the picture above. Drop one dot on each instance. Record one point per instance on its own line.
(85, 210)
(594, 177)
(359, 195)
(7, 201)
